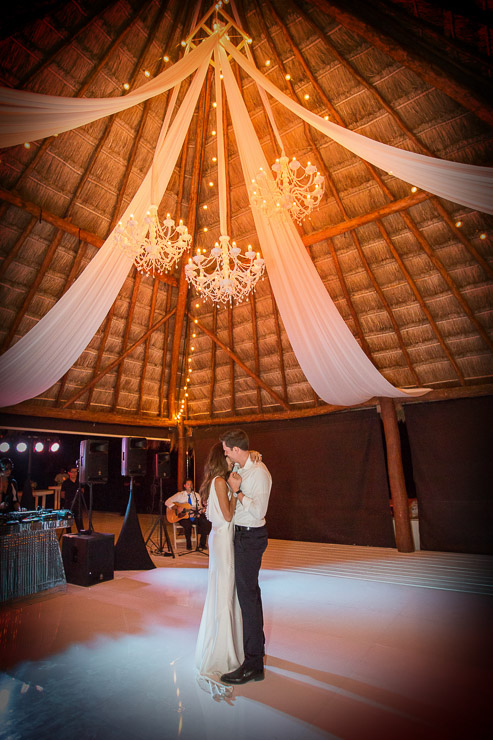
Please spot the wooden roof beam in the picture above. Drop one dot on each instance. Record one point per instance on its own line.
(421, 302)
(368, 22)
(66, 225)
(359, 77)
(128, 325)
(450, 282)
(241, 364)
(119, 359)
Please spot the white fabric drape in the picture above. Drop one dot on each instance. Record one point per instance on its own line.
(333, 362)
(27, 116)
(52, 346)
(469, 185)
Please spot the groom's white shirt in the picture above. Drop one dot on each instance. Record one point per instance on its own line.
(256, 483)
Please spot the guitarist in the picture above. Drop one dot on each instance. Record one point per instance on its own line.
(187, 507)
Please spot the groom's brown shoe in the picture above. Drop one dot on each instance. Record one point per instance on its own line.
(243, 675)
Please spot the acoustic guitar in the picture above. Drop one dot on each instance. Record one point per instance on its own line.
(173, 516)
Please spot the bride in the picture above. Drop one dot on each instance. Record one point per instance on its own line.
(220, 641)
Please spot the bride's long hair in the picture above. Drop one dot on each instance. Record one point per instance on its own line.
(216, 464)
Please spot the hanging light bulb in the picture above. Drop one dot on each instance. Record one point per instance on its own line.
(226, 274)
(295, 189)
(154, 246)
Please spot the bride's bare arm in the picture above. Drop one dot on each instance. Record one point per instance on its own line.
(227, 506)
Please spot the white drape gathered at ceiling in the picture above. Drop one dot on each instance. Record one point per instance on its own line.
(331, 358)
(50, 348)
(466, 184)
(27, 116)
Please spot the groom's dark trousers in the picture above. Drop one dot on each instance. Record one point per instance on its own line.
(250, 544)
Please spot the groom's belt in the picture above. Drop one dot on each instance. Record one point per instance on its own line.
(240, 528)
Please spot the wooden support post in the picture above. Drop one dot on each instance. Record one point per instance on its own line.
(182, 454)
(403, 534)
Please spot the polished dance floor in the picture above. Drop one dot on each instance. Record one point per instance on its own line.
(362, 644)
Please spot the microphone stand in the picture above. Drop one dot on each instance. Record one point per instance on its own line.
(163, 530)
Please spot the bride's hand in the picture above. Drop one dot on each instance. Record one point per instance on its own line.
(255, 456)
(234, 481)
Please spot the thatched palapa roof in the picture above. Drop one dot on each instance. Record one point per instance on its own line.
(408, 271)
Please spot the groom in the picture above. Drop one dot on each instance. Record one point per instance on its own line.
(250, 543)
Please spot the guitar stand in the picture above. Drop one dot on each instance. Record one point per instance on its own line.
(163, 530)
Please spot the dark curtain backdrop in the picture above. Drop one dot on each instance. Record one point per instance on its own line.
(452, 463)
(329, 477)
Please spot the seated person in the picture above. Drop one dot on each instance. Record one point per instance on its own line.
(9, 490)
(196, 516)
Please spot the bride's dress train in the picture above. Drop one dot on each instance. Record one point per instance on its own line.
(220, 641)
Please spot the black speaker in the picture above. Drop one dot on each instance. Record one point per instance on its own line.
(88, 559)
(162, 467)
(93, 464)
(134, 456)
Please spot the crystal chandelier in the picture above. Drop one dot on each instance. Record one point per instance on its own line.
(154, 246)
(295, 189)
(226, 274)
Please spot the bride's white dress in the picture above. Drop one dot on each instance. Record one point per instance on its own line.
(220, 641)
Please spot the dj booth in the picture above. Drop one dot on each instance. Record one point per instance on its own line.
(30, 558)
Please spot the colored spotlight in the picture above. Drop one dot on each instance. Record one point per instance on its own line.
(21, 447)
(55, 447)
(4, 447)
(39, 447)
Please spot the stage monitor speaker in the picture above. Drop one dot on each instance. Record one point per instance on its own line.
(162, 465)
(88, 559)
(93, 464)
(134, 456)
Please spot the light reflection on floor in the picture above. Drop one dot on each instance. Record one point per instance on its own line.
(345, 659)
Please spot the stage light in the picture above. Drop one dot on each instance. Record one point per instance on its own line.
(55, 447)
(39, 447)
(21, 447)
(4, 447)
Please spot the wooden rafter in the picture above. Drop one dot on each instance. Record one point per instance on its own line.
(241, 364)
(342, 282)
(256, 356)
(128, 326)
(212, 372)
(306, 69)
(419, 298)
(29, 409)
(64, 44)
(119, 359)
(10, 257)
(32, 291)
(66, 226)
(279, 345)
(44, 146)
(376, 32)
(366, 218)
(145, 361)
(450, 282)
(164, 364)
